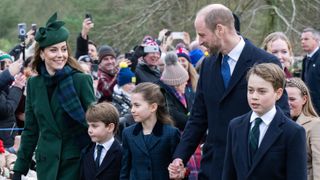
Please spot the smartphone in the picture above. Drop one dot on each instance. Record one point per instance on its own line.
(177, 35)
(34, 28)
(88, 16)
(22, 31)
(150, 49)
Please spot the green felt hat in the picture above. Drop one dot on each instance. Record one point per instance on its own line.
(53, 33)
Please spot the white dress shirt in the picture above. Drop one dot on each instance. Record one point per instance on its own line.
(234, 54)
(106, 147)
(266, 120)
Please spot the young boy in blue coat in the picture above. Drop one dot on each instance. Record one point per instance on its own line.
(264, 144)
(102, 159)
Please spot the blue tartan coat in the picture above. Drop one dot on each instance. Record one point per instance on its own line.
(140, 162)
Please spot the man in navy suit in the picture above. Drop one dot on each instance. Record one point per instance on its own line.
(311, 64)
(218, 101)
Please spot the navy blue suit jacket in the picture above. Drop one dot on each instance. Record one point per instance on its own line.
(215, 106)
(142, 163)
(280, 156)
(313, 78)
(109, 168)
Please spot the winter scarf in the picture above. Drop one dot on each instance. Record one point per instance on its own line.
(67, 94)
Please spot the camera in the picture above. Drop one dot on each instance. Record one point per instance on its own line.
(22, 31)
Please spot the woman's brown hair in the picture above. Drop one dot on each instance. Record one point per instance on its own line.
(37, 60)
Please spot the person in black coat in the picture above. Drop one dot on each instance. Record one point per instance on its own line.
(311, 64)
(217, 100)
(173, 82)
(9, 98)
(103, 121)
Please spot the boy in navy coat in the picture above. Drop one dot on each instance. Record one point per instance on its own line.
(264, 143)
(102, 158)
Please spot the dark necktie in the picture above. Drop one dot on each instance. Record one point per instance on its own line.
(254, 137)
(306, 67)
(99, 149)
(225, 70)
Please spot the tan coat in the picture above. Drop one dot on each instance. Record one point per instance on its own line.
(312, 127)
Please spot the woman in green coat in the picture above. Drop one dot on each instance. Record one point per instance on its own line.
(57, 98)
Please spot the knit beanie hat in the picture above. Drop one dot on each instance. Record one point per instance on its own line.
(106, 51)
(53, 33)
(125, 75)
(5, 57)
(195, 56)
(181, 52)
(149, 46)
(174, 74)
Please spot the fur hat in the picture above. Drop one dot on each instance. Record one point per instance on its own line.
(174, 74)
(125, 75)
(53, 33)
(106, 51)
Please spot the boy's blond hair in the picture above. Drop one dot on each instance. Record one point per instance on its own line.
(269, 72)
(104, 112)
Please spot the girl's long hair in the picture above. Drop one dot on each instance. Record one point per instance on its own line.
(152, 93)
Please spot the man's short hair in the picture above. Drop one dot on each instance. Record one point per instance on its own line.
(314, 32)
(217, 14)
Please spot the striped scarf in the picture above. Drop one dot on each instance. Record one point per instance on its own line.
(67, 94)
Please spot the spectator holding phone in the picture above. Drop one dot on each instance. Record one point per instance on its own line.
(84, 45)
(27, 43)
